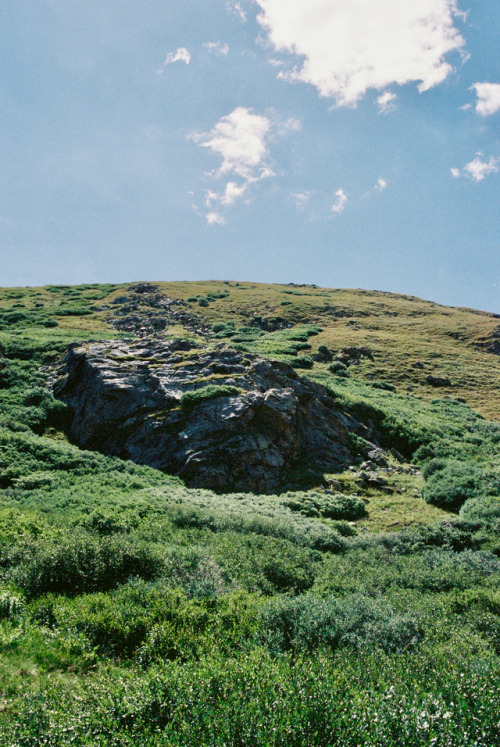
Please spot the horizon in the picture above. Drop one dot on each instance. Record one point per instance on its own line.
(152, 281)
(331, 144)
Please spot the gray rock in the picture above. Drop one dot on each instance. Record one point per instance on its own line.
(377, 456)
(437, 380)
(352, 356)
(127, 401)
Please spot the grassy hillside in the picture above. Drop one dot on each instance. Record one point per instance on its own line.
(362, 608)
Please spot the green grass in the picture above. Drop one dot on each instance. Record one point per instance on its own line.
(134, 610)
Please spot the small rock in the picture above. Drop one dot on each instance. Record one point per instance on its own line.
(378, 481)
(397, 455)
(437, 380)
(377, 456)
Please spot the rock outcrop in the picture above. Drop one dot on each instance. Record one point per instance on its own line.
(146, 312)
(249, 425)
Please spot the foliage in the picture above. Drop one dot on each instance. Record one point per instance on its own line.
(332, 506)
(136, 611)
(451, 483)
(211, 391)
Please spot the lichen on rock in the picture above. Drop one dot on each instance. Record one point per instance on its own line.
(251, 434)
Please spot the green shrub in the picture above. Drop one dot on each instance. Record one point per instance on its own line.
(11, 605)
(308, 623)
(339, 369)
(302, 361)
(450, 483)
(385, 386)
(80, 563)
(485, 508)
(332, 506)
(211, 391)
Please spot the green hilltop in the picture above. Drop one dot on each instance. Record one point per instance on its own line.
(358, 607)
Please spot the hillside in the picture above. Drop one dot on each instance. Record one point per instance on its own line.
(247, 514)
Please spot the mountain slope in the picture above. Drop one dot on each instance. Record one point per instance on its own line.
(350, 595)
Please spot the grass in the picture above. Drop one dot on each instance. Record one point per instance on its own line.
(134, 610)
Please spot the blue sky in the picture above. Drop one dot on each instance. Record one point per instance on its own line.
(347, 143)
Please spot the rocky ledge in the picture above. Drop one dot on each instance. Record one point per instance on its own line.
(219, 419)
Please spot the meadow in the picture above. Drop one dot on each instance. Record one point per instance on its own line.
(345, 612)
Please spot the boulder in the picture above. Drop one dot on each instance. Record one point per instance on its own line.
(220, 419)
(352, 356)
(437, 380)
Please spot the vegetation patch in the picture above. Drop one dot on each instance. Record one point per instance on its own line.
(365, 610)
(211, 391)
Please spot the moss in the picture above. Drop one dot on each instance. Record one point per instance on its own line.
(197, 396)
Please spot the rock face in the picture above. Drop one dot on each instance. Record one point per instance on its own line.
(145, 312)
(491, 344)
(249, 424)
(353, 356)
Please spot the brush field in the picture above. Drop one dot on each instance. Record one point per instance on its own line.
(362, 608)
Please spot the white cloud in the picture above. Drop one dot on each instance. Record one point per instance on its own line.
(339, 204)
(180, 55)
(232, 192)
(488, 98)
(294, 125)
(381, 184)
(241, 141)
(217, 48)
(240, 138)
(350, 46)
(386, 102)
(237, 9)
(215, 219)
(301, 199)
(478, 169)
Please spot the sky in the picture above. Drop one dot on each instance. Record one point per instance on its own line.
(346, 143)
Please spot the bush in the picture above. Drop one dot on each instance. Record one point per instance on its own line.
(339, 369)
(11, 605)
(81, 563)
(212, 391)
(302, 361)
(450, 483)
(485, 508)
(383, 385)
(332, 506)
(308, 623)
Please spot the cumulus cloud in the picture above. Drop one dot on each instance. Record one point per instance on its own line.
(386, 102)
(232, 192)
(237, 9)
(381, 184)
(301, 199)
(217, 48)
(180, 55)
(215, 219)
(477, 169)
(340, 201)
(241, 141)
(349, 46)
(294, 125)
(488, 98)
